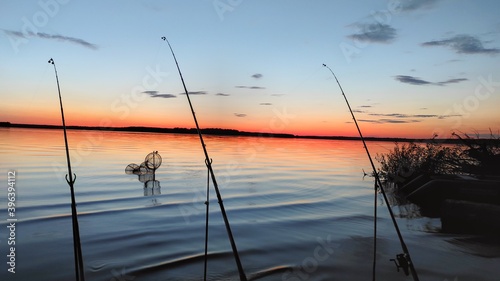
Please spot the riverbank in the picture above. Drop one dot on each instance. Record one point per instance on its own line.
(216, 131)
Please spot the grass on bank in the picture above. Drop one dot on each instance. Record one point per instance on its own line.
(472, 155)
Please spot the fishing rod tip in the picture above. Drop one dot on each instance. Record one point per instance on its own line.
(324, 65)
(51, 61)
(164, 38)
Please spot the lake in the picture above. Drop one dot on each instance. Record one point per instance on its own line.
(299, 209)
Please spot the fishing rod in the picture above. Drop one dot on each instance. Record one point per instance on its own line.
(208, 162)
(374, 263)
(79, 269)
(403, 260)
(206, 225)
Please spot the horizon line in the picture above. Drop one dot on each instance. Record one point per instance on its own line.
(218, 131)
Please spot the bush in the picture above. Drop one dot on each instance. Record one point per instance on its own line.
(483, 155)
(409, 160)
(469, 155)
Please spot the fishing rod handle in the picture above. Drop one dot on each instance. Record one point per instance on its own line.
(71, 181)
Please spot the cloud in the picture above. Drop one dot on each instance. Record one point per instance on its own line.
(366, 121)
(42, 35)
(420, 116)
(401, 118)
(240, 115)
(402, 115)
(374, 33)
(411, 80)
(463, 44)
(449, 115)
(257, 76)
(222, 95)
(451, 81)
(424, 115)
(399, 121)
(15, 33)
(417, 81)
(412, 5)
(392, 121)
(156, 94)
(250, 87)
(266, 103)
(195, 93)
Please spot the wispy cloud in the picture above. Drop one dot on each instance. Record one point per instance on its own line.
(451, 81)
(222, 95)
(463, 44)
(250, 87)
(57, 37)
(417, 81)
(156, 94)
(266, 103)
(412, 5)
(365, 120)
(257, 76)
(374, 33)
(449, 115)
(195, 93)
(402, 115)
(392, 121)
(240, 115)
(402, 118)
(411, 80)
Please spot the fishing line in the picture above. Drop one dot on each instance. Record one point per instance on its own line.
(79, 269)
(208, 162)
(403, 260)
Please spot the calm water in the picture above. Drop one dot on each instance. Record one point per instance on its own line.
(299, 210)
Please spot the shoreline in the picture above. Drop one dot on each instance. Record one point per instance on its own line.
(217, 132)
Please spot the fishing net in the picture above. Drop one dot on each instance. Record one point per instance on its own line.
(146, 173)
(144, 169)
(152, 184)
(152, 188)
(144, 178)
(153, 160)
(151, 163)
(132, 169)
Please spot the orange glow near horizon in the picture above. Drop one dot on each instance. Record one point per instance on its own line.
(341, 129)
(263, 124)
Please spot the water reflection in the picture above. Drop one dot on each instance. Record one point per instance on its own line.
(406, 209)
(281, 194)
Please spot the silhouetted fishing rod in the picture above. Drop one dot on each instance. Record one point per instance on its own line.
(208, 162)
(206, 225)
(403, 259)
(79, 270)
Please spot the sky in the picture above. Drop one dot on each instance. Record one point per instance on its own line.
(409, 68)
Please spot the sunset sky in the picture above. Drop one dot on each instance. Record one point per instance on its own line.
(409, 68)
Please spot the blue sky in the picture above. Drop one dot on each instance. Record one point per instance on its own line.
(409, 68)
